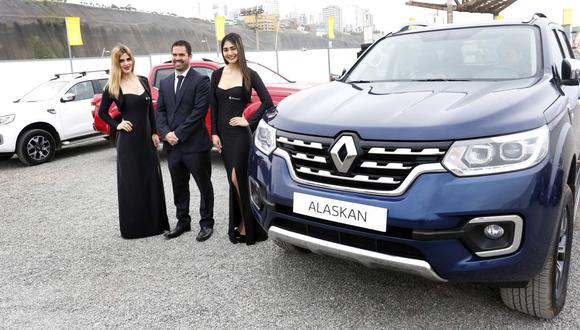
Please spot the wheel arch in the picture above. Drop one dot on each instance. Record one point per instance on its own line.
(44, 126)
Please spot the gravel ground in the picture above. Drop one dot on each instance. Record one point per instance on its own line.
(63, 264)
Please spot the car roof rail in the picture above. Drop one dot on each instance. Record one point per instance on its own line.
(410, 26)
(536, 16)
(79, 73)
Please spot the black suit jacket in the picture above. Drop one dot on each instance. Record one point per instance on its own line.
(184, 113)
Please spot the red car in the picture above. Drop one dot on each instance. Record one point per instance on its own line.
(278, 86)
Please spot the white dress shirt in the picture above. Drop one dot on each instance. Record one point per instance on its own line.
(184, 74)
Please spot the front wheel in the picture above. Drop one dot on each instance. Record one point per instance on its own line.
(36, 147)
(545, 294)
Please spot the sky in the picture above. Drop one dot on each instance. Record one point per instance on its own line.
(388, 14)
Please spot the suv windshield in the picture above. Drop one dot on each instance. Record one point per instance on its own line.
(43, 92)
(482, 53)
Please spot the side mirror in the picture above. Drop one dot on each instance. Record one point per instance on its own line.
(68, 97)
(571, 72)
(334, 76)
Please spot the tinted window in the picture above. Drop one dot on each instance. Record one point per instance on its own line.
(557, 50)
(162, 74)
(203, 70)
(565, 44)
(101, 83)
(82, 90)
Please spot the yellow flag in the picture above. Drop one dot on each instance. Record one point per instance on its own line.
(73, 30)
(330, 27)
(220, 27)
(568, 16)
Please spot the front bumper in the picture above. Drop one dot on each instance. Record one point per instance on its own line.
(8, 137)
(434, 202)
(367, 258)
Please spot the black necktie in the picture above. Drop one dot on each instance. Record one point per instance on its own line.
(179, 82)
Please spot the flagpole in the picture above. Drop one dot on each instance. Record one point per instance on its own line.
(328, 50)
(68, 46)
(276, 46)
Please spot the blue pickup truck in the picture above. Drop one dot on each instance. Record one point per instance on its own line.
(447, 152)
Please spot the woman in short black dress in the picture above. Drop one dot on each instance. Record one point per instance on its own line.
(142, 210)
(230, 93)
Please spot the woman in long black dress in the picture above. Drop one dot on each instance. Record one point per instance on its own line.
(142, 210)
(232, 133)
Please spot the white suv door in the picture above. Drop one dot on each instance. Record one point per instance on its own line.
(75, 116)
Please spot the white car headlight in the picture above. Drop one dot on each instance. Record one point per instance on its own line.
(6, 119)
(265, 138)
(498, 154)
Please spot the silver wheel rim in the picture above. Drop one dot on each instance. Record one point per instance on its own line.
(562, 254)
(38, 148)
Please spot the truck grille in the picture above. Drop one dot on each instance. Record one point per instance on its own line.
(368, 166)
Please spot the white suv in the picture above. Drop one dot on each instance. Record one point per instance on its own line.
(53, 115)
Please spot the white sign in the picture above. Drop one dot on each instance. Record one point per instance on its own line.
(353, 214)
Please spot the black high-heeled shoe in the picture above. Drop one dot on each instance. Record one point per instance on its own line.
(239, 237)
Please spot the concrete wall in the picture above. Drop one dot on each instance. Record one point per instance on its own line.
(20, 76)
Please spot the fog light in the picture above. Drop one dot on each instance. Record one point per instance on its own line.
(493, 231)
(255, 194)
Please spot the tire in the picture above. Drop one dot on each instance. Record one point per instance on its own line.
(112, 137)
(545, 295)
(291, 248)
(6, 157)
(36, 147)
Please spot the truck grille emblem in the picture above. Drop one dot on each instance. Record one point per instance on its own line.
(343, 153)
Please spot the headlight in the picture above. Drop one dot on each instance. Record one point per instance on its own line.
(498, 154)
(265, 138)
(6, 119)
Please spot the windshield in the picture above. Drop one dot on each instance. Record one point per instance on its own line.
(43, 92)
(268, 76)
(482, 53)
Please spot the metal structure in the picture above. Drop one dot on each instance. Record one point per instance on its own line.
(470, 6)
(254, 11)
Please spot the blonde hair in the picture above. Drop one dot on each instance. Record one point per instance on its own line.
(114, 84)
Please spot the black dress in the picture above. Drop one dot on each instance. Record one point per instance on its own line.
(236, 143)
(142, 210)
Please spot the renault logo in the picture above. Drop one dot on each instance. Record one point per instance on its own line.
(343, 153)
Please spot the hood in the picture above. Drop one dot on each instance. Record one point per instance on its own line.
(15, 108)
(417, 110)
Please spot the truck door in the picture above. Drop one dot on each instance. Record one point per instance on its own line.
(75, 116)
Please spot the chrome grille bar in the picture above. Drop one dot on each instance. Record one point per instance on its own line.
(389, 166)
(407, 152)
(316, 159)
(300, 143)
(356, 178)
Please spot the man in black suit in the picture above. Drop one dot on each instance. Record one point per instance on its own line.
(181, 108)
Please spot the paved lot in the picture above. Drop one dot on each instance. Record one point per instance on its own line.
(64, 265)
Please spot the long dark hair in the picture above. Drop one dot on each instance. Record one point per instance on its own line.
(236, 40)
